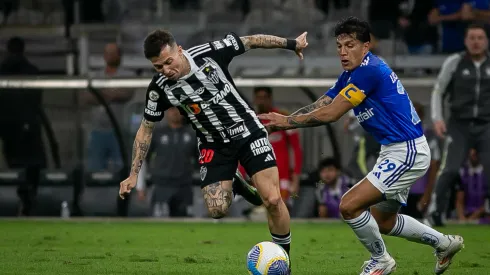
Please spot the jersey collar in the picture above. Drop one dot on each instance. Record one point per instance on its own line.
(194, 67)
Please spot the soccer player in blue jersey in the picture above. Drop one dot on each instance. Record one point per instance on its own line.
(383, 108)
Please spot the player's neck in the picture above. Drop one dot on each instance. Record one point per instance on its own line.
(187, 65)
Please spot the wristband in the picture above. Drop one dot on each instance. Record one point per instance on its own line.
(291, 44)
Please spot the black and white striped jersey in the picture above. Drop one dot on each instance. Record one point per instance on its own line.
(207, 96)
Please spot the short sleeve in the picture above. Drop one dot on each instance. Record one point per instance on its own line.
(226, 49)
(361, 83)
(335, 89)
(156, 103)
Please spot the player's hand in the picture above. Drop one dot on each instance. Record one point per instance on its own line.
(301, 43)
(440, 128)
(126, 186)
(275, 120)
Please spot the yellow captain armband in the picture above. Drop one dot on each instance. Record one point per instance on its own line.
(353, 94)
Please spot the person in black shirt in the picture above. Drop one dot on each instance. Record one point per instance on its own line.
(198, 83)
(20, 124)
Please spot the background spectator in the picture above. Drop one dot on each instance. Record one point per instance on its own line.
(470, 194)
(20, 123)
(447, 13)
(171, 163)
(469, 123)
(282, 142)
(331, 187)
(103, 151)
(418, 34)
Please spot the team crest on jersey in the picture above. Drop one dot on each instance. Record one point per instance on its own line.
(153, 96)
(211, 74)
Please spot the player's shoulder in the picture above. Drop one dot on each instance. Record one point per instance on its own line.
(371, 66)
(230, 39)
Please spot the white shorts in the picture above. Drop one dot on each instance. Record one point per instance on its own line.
(399, 166)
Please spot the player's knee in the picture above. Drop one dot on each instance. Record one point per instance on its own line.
(272, 201)
(386, 225)
(348, 209)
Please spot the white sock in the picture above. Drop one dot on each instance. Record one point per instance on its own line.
(415, 231)
(367, 231)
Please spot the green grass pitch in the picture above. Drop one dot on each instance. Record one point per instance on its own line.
(138, 247)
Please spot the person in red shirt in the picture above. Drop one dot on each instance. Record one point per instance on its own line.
(281, 142)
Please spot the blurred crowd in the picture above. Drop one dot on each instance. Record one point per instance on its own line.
(425, 26)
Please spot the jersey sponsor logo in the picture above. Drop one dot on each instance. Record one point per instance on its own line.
(193, 108)
(196, 108)
(363, 116)
(152, 105)
(233, 41)
(353, 94)
(237, 129)
(152, 113)
(153, 95)
(260, 146)
(211, 74)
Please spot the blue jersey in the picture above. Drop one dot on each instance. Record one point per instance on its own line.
(381, 103)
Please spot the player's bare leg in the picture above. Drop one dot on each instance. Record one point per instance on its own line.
(354, 209)
(267, 183)
(394, 224)
(218, 197)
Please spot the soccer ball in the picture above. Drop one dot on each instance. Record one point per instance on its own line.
(267, 258)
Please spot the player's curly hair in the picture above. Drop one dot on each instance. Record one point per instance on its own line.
(355, 27)
(155, 41)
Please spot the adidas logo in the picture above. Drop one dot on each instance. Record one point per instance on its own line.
(269, 158)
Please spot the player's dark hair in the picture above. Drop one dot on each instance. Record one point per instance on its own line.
(328, 162)
(15, 45)
(476, 26)
(355, 27)
(155, 41)
(266, 89)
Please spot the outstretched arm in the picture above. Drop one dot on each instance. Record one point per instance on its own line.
(264, 41)
(319, 116)
(141, 146)
(323, 115)
(322, 101)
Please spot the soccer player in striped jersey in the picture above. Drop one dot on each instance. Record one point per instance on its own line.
(198, 83)
(383, 108)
